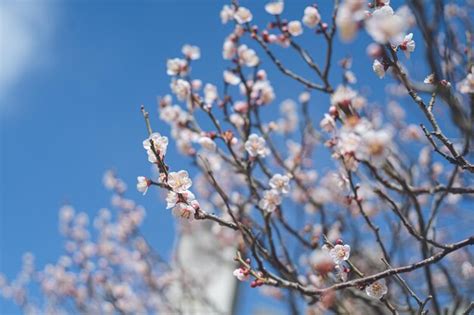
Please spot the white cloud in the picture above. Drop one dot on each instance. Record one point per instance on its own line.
(25, 31)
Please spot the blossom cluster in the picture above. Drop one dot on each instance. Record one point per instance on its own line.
(286, 185)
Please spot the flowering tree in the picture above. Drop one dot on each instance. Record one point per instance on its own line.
(383, 227)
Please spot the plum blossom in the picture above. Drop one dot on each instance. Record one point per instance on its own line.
(406, 14)
(375, 146)
(290, 119)
(311, 17)
(196, 84)
(173, 198)
(328, 123)
(340, 253)
(350, 77)
(241, 274)
(181, 88)
(243, 15)
(295, 28)
(247, 56)
(466, 86)
(160, 144)
(342, 272)
(183, 210)
(210, 93)
(229, 49)
(263, 91)
(280, 183)
(408, 44)
(467, 270)
(207, 143)
(348, 18)
(237, 120)
(377, 289)
(109, 180)
(304, 97)
(430, 79)
(231, 78)
(378, 68)
(179, 181)
(183, 204)
(343, 95)
(374, 50)
(66, 214)
(256, 146)
(173, 114)
(275, 7)
(321, 261)
(226, 14)
(176, 66)
(191, 52)
(385, 26)
(142, 184)
(241, 107)
(271, 199)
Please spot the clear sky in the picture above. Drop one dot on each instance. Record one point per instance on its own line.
(69, 105)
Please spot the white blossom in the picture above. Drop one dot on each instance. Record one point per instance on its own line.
(378, 68)
(172, 114)
(191, 52)
(295, 28)
(160, 144)
(407, 15)
(408, 44)
(430, 79)
(179, 181)
(263, 91)
(467, 270)
(348, 18)
(321, 260)
(173, 198)
(340, 253)
(311, 17)
(66, 214)
(304, 97)
(350, 77)
(466, 86)
(328, 123)
(226, 14)
(247, 56)
(243, 15)
(240, 274)
(237, 119)
(271, 199)
(377, 289)
(289, 122)
(181, 88)
(210, 93)
(275, 7)
(207, 143)
(256, 146)
(229, 49)
(375, 146)
(176, 66)
(343, 95)
(196, 84)
(280, 183)
(342, 272)
(183, 210)
(231, 78)
(142, 184)
(384, 26)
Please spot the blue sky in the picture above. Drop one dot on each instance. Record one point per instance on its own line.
(70, 110)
